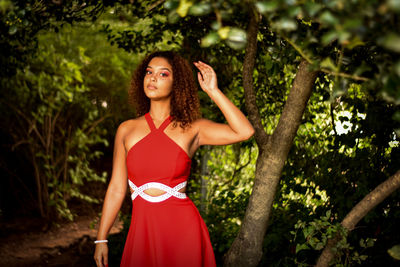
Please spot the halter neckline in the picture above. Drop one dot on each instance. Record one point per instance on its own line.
(152, 126)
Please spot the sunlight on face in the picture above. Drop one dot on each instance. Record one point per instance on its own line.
(158, 79)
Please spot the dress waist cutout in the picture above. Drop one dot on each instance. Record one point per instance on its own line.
(169, 192)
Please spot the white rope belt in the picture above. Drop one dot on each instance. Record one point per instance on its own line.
(169, 192)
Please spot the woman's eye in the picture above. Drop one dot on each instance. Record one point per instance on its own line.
(148, 72)
(164, 74)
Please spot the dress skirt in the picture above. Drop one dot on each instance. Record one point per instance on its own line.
(167, 233)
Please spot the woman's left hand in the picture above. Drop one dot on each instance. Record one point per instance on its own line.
(207, 77)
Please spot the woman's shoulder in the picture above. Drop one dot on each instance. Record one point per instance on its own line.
(129, 125)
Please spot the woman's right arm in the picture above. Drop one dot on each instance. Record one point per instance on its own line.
(116, 192)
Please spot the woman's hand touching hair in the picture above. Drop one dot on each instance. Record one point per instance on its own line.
(207, 77)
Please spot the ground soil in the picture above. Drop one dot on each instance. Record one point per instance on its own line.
(23, 242)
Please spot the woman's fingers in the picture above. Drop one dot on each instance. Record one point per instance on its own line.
(200, 77)
(101, 255)
(201, 66)
(206, 76)
(105, 260)
(205, 69)
(99, 262)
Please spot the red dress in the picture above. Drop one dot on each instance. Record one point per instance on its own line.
(166, 230)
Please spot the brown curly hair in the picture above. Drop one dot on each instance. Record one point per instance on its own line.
(185, 104)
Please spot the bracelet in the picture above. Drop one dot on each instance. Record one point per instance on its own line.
(101, 241)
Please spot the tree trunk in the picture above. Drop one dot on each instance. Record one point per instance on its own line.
(246, 249)
(381, 192)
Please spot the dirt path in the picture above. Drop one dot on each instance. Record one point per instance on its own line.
(24, 249)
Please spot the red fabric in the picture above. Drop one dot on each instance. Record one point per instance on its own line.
(171, 232)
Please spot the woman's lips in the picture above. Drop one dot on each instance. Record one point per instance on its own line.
(151, 87)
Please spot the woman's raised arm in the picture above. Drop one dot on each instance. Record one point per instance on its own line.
(211, 133)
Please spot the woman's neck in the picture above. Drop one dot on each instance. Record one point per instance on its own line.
(159, 111)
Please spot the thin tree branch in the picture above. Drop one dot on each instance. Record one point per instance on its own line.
(248, 69)
(298, 49)
(94, 124)
(381, 192)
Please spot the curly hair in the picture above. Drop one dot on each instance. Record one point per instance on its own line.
(185, 104)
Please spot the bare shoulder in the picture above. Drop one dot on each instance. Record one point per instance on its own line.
(128, 126)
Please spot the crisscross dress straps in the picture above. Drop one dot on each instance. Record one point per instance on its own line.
(169, 191)
(152, 126)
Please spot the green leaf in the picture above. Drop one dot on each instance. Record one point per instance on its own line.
(363, 257)
(294, 11)
(286, 24)
(12, 30)
(397, 68)
(215, 25)
(210, 39)
(173, 17)
(329, 37)
(396, 116)
(300, 247)
(224, 32)
(394, 4)
(5, 5)
(319, 246)
(327, 18)
(352, 23)
(171, 4)
(328, 63)
(343, 36)
(328, 214)
(266, 6)
(237, 38)
(391, 41)
(312, 8)
(370, 242)
(356, 41)
(183, 8)
(200, 9)
(395, 252)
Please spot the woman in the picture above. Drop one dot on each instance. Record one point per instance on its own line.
(155, 155)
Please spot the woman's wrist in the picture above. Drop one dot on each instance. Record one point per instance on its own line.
(212, 91)
(100, 241)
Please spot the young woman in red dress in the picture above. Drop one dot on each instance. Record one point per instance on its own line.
(153, 157)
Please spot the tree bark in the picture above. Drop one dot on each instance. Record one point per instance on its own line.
(246, 249)
(375, 197)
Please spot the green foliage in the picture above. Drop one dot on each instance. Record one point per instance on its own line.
(44, 95)
(21, 21)
(139, 34)
(327, 34)
(315, 234)
(228, 187)
(58, 103)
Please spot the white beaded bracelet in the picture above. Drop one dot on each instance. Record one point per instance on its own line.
(101, 241)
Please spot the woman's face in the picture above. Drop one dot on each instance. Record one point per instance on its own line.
(158, 79)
